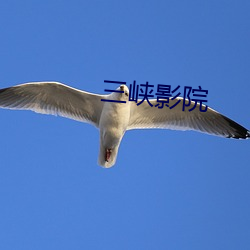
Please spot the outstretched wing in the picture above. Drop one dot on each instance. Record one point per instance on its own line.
(144, 116)
(53, 98)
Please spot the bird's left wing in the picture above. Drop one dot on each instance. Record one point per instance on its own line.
(144, 116)
(53, 98)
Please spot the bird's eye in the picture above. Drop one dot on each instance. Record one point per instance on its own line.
(126, 93)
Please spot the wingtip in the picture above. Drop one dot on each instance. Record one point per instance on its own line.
(248, 135)
(239, 131)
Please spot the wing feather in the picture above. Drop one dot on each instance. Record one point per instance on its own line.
(144, 116)
(53, 98)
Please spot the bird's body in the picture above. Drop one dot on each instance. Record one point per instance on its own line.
(113, 119)
(113, 125)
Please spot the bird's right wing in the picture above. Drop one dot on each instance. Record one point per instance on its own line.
(54, 98)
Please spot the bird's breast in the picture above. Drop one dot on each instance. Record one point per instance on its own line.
(115, 118)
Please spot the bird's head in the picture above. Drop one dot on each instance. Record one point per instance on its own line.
(125, 90)
(121, 93)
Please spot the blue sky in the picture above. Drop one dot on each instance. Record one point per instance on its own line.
(169, 189)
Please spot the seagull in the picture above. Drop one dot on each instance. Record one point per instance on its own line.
(114, 114)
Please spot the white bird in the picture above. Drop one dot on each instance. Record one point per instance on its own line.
(114, 119)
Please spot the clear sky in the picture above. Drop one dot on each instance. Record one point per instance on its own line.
(168, 189)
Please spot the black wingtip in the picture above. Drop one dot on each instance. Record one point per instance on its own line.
(248, 134)
(239, 131)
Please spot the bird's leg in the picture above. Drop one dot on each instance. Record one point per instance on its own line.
(108, 154)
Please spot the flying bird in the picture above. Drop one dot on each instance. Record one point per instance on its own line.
(114, 119)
